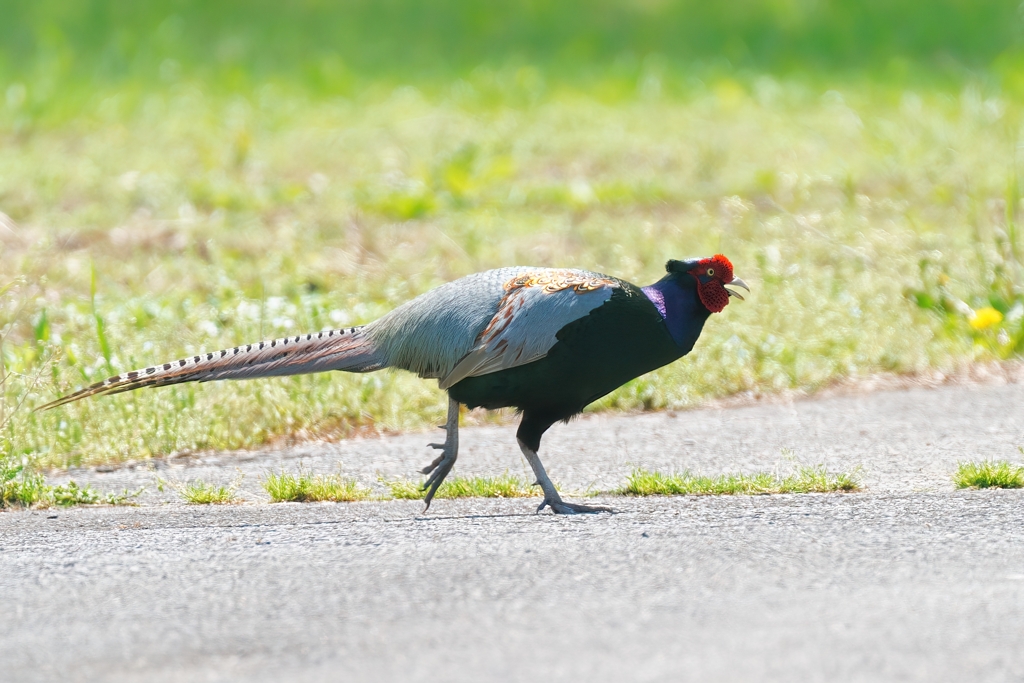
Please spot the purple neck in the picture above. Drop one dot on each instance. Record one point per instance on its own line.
(656, 293)
(680, 308)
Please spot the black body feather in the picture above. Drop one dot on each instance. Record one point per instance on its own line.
(620, 340)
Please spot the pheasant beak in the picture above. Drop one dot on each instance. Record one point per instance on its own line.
(736, 282)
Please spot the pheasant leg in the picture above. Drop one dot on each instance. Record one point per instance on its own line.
(551, 497)
(443, 463)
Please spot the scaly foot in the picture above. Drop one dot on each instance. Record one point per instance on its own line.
(560, 507)
(551, 497)
(438, 469)
(443, 463)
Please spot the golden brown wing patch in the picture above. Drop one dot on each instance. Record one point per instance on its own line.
(550, 282)
(556, 281)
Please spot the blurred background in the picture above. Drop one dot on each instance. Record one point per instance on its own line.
(181, 176)
(337, 48)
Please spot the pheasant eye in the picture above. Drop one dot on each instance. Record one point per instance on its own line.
(711, 271)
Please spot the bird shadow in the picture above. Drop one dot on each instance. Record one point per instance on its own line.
(431, 518)
(503, 515)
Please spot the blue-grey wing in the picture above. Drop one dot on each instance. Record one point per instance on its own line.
(429, 334)
(486, 322)
(535, 307)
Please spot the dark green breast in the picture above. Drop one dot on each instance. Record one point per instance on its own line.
(622, 339)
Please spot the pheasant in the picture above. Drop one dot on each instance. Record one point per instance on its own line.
(544, 341)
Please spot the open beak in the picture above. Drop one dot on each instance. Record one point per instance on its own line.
(736, 282)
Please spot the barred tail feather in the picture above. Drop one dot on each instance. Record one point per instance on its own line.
(346, 349)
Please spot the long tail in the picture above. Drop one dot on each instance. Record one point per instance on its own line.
(346, 349)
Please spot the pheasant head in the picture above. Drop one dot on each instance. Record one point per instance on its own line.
(712, 275)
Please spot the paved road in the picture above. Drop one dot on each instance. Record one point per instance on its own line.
(905, 440)
(909, 581)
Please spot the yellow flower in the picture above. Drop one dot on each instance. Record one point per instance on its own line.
(984, 318)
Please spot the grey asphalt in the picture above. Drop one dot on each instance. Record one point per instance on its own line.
(909, 580)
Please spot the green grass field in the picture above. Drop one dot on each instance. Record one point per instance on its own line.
(153, 209)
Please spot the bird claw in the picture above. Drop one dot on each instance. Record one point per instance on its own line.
(438, 470)
(443, 463)
(433, 465)
(560, 507)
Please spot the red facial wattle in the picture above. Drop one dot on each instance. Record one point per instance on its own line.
(713, 296)
(712, 274)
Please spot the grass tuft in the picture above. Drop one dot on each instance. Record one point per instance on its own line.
(807, 480)
(988, 474)
(504, 486)
(305, 487)
(198, 492)
(67, 495)
(21, 488)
